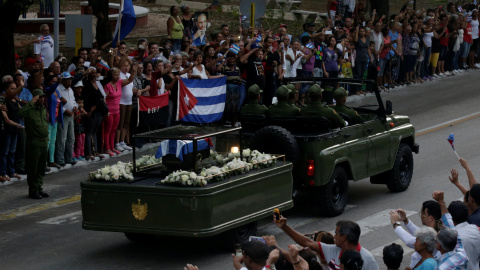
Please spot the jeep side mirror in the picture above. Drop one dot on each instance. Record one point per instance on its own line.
(389, 107)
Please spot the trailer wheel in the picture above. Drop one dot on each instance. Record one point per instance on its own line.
(139, 237)
(241, 234)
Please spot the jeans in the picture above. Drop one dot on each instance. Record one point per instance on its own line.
(359, 71)
(92, 125)
(426, 61)
(455, 59)
(20, 151)
(176, 45)
(242, 92)
(65, 141)
(7, 154)
(52, 136)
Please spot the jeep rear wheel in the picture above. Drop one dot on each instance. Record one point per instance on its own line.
(400, 176)
(334, 194)
(239, 235)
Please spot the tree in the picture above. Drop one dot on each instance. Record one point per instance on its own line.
(382, 6)
(10, 11)
(100, 9)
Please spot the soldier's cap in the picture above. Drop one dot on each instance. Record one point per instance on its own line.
(315, 90)
(283, 91)
(38, 92)
(340, 93)
(292, 88)
(254, 90)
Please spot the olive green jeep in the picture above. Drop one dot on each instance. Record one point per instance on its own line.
(324, 159)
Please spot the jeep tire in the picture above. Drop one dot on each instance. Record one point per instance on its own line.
(277, 140)
(400, 176)
(334, 195)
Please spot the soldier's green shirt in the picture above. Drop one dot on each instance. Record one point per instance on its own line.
(357, 119)
(283, 108)
(316, 108)
(253, 109)
(35, 118)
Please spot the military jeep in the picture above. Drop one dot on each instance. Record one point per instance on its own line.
(325, 159)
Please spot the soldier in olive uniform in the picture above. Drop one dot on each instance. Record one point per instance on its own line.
(340, 95)
(316, 108)
(253, 107)
(36, 129)
(282, 107)
(293, 96)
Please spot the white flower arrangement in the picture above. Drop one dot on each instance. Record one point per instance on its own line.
(147, 160)
(235, 166)
(120, 172)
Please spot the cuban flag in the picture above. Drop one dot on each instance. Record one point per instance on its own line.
(180, 148)
(450, 140)
(234, 48)
(126, 22)
(201, 101)
(310, 45)
(103, 64)
(259, 38)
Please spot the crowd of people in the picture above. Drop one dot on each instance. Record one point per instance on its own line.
(448, 240)
(91, 101)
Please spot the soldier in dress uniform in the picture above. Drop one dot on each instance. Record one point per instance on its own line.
(340, 95)
(36, 129)
(253, 106)
(316, 108)
(282, 107)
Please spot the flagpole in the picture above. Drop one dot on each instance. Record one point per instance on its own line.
(455, 151)
(120, 20)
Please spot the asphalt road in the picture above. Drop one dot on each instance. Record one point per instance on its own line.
(47, 234)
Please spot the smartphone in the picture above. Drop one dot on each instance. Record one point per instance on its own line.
(256, 238)
(141, 47)
(238, 250)
(276, 212)
(329, 32)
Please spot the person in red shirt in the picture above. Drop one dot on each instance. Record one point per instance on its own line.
(465, 47)
(141, 52)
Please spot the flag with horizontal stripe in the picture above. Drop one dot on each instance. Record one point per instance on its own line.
(259, 38)
(126, 21)
(310, 45)
(152, 111)
(234, 48)
(181, 148)
(201, 101)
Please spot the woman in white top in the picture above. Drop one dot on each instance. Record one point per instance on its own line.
(427, 49)
(473, 48)
(199, 71)
(285, 46)
(123, 129)
(293, 55)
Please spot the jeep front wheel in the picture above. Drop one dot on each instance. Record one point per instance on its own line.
(400, 176)
(334, 194)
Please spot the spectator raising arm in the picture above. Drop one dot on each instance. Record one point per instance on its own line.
(471, 179)
(454, 180)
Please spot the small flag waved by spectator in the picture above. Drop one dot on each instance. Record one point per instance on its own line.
(103, 64)
(310, 45)
(450, 139)
(234, 48)
(259, 38)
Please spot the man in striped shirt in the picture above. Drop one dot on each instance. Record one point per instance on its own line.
(451, 258)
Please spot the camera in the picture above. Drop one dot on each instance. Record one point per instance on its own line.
(238, 250)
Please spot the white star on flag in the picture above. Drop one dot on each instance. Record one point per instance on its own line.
(186, 100)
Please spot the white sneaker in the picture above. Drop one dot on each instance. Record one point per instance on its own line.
(441, 74)
(447, 73)
(477, 65)
(435, 75)
(119, 147)
(124, 146)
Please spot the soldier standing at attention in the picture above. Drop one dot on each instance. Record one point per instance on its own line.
(36, 129)
(253, 107)
(316, 108)
(340, 95)
(282, 107)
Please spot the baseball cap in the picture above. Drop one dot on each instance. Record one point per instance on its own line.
(38, 92)
(340, 93)
(283, 25)
(315, 90)
(257, 250)
(65, 75)
(17, 56)
(254, 90)
(30, 61)
(283, 91)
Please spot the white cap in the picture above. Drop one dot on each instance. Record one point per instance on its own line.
(79, 84)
